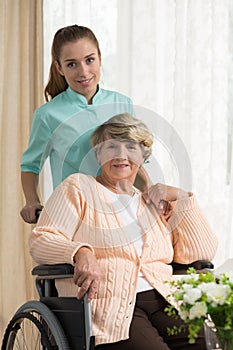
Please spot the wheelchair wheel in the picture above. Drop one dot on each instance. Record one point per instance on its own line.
(34, 327)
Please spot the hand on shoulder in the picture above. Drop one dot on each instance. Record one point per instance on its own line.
(162, 195)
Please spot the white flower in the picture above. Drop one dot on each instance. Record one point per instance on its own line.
(218, 294)
(205, 287)
(184, 314)
(198, 310)
(186, 287)
(192, 295)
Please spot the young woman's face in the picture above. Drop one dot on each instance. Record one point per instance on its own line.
(80, 66)
(120, 159)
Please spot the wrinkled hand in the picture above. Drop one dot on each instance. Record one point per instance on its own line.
(87, 273)
(162, 195)
(29, 212)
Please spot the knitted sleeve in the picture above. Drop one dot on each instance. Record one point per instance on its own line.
(192, 236)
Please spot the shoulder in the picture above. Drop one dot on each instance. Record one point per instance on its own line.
(56, 111)
(52, 104)
(77, 187)
(79, 180)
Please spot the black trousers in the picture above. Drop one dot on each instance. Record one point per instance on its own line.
(148, 330)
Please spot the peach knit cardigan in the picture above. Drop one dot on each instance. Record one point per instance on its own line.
(80, 213)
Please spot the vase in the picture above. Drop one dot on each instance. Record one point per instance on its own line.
(217, 337)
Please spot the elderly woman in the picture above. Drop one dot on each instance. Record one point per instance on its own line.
(121, 243)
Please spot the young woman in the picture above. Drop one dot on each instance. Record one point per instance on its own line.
(121, 245)
(76, 104)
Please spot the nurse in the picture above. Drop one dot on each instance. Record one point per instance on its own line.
(75, 106)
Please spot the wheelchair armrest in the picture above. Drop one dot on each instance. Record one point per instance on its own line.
(180, 269)
(53, 270)
(46, 275)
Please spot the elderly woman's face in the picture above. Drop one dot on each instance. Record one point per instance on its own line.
(120, 159)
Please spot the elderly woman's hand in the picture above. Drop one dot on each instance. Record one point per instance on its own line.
(87, 273)
(162, 195)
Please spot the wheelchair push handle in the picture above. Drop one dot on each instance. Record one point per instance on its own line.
(38, 212)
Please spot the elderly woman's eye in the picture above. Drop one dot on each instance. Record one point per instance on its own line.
(132, 146)
(110, 146)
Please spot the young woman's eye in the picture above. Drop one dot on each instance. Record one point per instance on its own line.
(71, 64)
(90, 59)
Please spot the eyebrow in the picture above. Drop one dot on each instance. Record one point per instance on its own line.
(73, 59)
(126, 140)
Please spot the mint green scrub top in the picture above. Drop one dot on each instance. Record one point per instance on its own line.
(61, 130)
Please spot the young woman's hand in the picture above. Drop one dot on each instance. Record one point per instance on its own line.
(87, 273)
(162, 195)
(30, 213)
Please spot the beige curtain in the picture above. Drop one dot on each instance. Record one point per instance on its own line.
(21, 90)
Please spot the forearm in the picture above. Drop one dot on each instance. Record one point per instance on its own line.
(49, 246)
(30, 185)
(30, 182)
(54, 247)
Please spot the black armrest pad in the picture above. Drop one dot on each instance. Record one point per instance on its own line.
(50, 270)
(67, 269)
(198, 265)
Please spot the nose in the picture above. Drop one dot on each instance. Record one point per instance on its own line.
(121, 152)
(82, 70)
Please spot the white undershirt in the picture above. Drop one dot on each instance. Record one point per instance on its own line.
(128, 215)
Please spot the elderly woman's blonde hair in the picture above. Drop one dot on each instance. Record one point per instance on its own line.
(123, 127)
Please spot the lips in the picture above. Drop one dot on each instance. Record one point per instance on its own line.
(120, 165)
(85, 82)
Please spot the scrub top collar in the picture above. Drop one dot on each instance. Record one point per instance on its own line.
(81, 99)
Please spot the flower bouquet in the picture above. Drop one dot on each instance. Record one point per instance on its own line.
(200, 297)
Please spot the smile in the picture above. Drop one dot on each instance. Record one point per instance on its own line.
(85, 82)
(120, 165)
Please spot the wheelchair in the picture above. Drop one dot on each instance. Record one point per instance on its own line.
(59, 323)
